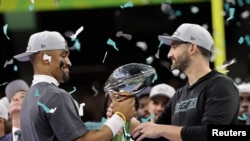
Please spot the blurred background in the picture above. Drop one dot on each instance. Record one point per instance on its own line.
(132, 27)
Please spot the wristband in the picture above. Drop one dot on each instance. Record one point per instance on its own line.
(115, 123)
(122, 115)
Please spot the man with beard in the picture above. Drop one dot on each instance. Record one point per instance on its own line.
(208, 98)
(49, 112)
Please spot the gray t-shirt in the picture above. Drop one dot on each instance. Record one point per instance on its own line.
(38, 124)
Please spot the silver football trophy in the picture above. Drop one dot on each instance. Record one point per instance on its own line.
(133, 78)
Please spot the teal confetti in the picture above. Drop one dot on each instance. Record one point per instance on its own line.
(241, 40)
(178, 13)
(15, 68)
(240, 2)
(247, 39)
(231, 14)
(45, 108)
(155, 78)
(126, 5)
(31, 7)
(4, 84)
(161, 43)
(243, 117)
(77, 45)
(74, 89)
(5, 31)
(148, 118)
(226, 6)
(36, 93)
(112, 43)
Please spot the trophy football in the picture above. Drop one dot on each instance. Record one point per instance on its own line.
(133, 78)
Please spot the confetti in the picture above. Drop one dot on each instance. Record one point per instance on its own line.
(142, 45)
(155, 78)
(8, 62)
(165, 8)
(31, 7)
(5, 31)
(46, 109)
(126, 5)
(150, 60)
(157, 54)
(74, 89)
(241, 40)
(121, 34)
(104, 57)
(81, 110)
(161, 43)
(77, 45)
(194, 9)
(227, 63)
(95, 90)
(243, 117)
(112, 43)
(15, 68)
(231, 14)
(32, 1)
(4, 84)
(36, 93)
(78, 31)
(147, 119)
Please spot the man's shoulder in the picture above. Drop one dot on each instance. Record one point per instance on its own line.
(7, 137)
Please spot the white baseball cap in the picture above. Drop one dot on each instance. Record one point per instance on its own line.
(3, 111)
(244, 88)
(162, 90)
(41, 41)
(192, 33)
(15, 86)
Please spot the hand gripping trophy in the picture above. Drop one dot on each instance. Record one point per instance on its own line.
(132, 78)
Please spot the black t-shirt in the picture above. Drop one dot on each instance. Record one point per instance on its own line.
(37, 124)
(212, 100)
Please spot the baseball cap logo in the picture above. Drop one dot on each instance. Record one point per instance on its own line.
(28, 48)
(192, 38)
(43, 46)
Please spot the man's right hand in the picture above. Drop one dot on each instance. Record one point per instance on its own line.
(123, 102)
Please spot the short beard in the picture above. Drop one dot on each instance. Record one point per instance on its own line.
(181, 63)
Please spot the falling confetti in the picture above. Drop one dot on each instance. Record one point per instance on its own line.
(46, 109)
(194, 9)
(95, 90)
(226, 64)
(78, 31)
(157, 54)
(74, 89)
(31, 7)
(150, 60)
(104, 57)
(81, 109)
(121, 34)
(166, 8)
(142, 45)
(112, 43)
(147, 119)
(77, 45)
(231, 14)
(243, 117)
(4, 84)
(161, 43)
(8, 62)
(155, 78)
(36, 93)
(15, 68)
(126, 5)
(5, 31)
(241, 40)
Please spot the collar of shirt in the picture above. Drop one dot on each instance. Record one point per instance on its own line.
(44, 78)
(14, 129)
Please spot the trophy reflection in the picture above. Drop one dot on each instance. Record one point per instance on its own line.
(132, 78)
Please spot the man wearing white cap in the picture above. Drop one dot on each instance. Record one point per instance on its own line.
(244, 92)
(3, 119)
(49, 112)
(208, 97)
(159, 96)
(15, 92)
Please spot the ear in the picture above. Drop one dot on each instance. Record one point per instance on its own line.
(193, 49)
